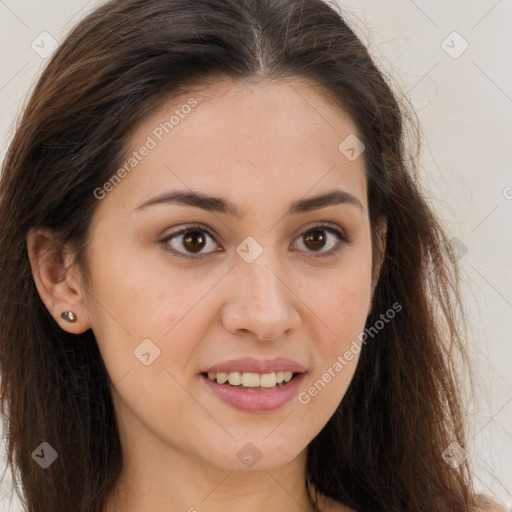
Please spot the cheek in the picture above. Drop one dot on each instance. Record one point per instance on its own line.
(137, 294)
(343, 315)
(341, 309)
(141, 308)
(341, 304)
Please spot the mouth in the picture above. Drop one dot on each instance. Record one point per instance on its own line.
(250, 381)
(254, 392)
(254, 385)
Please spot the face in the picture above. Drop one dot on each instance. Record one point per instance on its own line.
(256, 283)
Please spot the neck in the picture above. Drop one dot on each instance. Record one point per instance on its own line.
(192, 487)
(164, 478)
(168, 477)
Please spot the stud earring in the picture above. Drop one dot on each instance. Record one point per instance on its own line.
(69, 316)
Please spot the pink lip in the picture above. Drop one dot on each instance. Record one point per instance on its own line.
(249, 364)
(255, 401)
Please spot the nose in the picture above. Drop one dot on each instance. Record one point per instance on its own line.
(261, 302)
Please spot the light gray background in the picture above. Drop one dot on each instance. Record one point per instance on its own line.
(465, 107)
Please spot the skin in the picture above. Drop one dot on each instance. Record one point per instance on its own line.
(262, 146)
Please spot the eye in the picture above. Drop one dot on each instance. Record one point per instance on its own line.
(190, 241)
(324, 235)
(192, 238)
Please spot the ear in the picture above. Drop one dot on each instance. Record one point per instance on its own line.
(57, 284)
(379, 251)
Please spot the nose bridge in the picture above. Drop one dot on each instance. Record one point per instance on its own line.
(263, 285)
(260, 300)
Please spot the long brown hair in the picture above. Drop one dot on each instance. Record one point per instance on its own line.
(382, 449)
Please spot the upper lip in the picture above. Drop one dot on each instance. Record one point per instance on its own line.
(249, 364)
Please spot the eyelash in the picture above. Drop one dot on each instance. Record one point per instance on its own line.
(342, 237)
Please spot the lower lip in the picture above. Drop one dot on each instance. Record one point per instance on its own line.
(255, 401)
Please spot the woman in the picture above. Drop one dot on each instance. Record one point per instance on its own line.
(222, 286)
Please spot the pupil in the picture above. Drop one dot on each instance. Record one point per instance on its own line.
(317, 238)
(190, 238)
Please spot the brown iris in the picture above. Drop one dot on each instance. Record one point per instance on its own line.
(316, 237)
(191, 239)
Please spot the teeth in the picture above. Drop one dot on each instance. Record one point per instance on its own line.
(222, 378)
(251, 380)
(235, 378)
(268, 380)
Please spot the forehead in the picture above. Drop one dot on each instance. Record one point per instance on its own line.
(271, 138)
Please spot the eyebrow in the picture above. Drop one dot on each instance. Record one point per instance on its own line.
(226, 207)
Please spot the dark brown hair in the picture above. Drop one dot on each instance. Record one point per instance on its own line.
(382, 449)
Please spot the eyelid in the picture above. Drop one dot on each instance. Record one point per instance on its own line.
(333, 228)
(328, 226)
(185, 229)
(189, 227)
